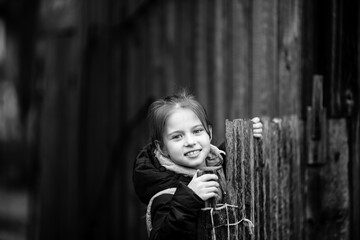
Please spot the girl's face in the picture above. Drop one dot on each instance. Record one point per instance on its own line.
(185, 139)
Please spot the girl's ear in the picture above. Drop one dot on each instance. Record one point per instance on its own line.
(160, 149)
(210, 132)
(157, 145)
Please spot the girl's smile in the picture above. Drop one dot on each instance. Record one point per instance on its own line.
(194, 153)
(185, 139)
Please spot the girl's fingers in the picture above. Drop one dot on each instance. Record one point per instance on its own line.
(208, 177)
(257, 130)
(255, 120)
(211, 184)
(209, 195)
(257, 125)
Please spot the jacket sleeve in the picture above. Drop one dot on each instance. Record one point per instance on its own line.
(149, 177)
(175, 216)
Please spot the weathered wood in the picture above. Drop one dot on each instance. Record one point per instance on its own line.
(248, 164)
(218, 63)
(335, 198)
(316, 128)
(264, 60)
(201, 54)
(273, 172)
(266, 184)
(296, 173)
(239, 104)
(259, 190)
(285, 161)
(317, 107)
(243, 180)
(289, 56)
(355, 169)
(328, 203)
(232, 163)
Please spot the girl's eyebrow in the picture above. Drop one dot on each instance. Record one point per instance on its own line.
(180, 131)
(174, 132)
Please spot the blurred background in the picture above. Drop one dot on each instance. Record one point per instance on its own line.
(77, 76)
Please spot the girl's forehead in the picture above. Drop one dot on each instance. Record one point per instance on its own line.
(182, 115)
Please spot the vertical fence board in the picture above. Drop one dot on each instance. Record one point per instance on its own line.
(267, 159)
(233, 186)
(259, 190)
(274, 196)
(335, 188)
(296, 207)
(247, 161)
(287, 160)
(355, 169)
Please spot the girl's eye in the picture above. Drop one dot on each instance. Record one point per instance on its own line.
(176, 136)
(198, 130)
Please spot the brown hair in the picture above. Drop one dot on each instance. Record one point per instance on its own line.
(161, 109)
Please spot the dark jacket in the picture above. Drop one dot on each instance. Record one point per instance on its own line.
(149, 177)
(173, 216)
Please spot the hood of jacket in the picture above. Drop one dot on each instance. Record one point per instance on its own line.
(150, 177)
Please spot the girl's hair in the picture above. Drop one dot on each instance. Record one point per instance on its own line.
(161, 109)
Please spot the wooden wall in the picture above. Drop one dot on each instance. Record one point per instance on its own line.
(99, 65)
(240, 58)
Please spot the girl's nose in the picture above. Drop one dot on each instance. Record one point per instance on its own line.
(189, 141)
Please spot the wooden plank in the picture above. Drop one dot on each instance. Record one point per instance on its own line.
(328, 201)
(316, 129)
(240, 175)
(308, 29)
(219, 74)
(184, 52)
(264, 58)
(58, 157)
(239, 104)
(317, 107)
(336, 59)
(247, 162)
(335, 188)
(289, 56)
(296, 207)
(267, 159)
(355, 166)
(232, 166)
(169, 48)
(273, 169)
(201, 54)
(259, 190)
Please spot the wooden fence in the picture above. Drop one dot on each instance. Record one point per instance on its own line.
(279, 191)
(264, 178)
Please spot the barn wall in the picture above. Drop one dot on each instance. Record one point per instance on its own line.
(104, 61)
(239, 58)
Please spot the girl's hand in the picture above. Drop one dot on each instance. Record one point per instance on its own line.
(205, 186)
(257, 127)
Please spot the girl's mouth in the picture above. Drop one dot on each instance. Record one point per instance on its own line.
(192, 153)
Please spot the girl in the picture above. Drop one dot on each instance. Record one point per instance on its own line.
(165, 170)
